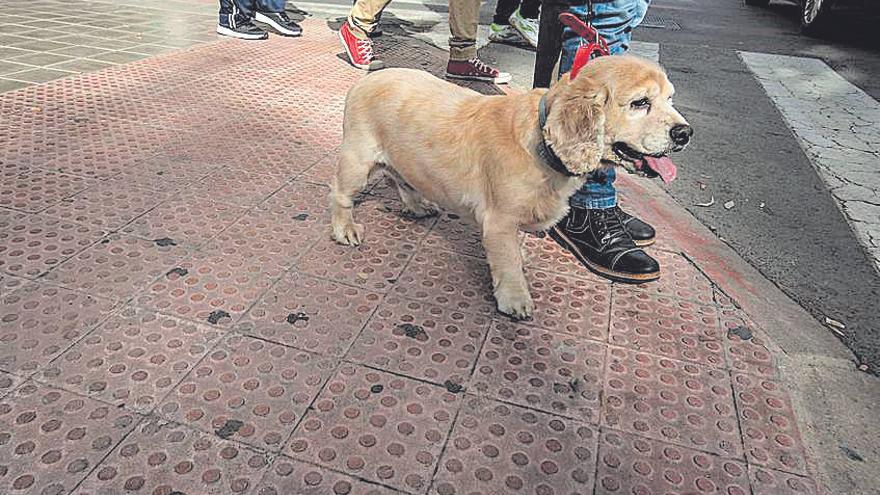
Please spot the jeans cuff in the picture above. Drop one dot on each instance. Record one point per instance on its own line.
(594, 203)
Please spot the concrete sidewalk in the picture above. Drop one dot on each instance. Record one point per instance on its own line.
(176, 319)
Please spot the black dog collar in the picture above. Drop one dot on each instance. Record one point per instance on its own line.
(544, 151)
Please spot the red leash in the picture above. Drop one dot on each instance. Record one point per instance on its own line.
(596, 47)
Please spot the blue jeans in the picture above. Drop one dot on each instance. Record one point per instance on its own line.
(615, 21)
(243, 10)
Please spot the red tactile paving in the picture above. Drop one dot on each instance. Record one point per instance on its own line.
(770, 482)
(568, 305)
(746, 345)
(132, 360)
(117, 267)
(496, 448)
(108, 206)
(30, 244)
(38, 322)
(374, 265)
(382, 218)
(211, 288)
(633, 465)
(165, 458)
(770, 430)
(450, 280)
(453, 233)
(9, 283)
(190, 222)
(234, 187)
(164, 172)
(283, 228)
(666, 327)
(422, 341)
(672, 401)
(679, 278)
(377, 426)
(35, 190)
(249, 390)
(290, 477)
(541, 370)
(310, 313)
(51, 439)
(8, 382)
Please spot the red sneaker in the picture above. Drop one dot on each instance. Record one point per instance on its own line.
(475, 70)
(358, 48)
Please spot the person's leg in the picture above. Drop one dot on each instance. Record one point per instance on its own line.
(598, 192)
(463, 60)
(500, 31)
(503, 10)
(362, 20)
(525, 21)
(236, 20)
(549, 42)
(530, 8)
(271, 13)
(364, 14)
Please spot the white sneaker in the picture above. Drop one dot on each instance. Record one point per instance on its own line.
(504, 34)
(527, 28)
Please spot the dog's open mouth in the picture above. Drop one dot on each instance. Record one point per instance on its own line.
(649, 165)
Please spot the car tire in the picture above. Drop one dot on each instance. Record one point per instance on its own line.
(757, 3)
(814, 16)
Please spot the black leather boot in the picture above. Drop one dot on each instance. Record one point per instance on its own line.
(599, 240)
(642, 233)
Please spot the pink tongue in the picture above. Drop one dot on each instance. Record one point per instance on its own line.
(663, 166)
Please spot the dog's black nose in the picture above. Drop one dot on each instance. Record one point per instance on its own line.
(681, 134)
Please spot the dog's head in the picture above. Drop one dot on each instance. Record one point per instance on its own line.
(619, 111)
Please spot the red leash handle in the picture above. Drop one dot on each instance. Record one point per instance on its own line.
(596, 47)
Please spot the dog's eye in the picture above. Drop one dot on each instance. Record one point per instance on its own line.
(641, 104)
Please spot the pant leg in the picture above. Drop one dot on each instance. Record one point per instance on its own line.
(529, 8)
(599, 191)
(365, 13)
(614, 20)
(549, 42)
(463, 18)
(503, 10)
(233, 12)
(270, 5)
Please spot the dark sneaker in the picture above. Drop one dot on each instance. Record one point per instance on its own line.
(279, 22)
(475, 70)
(246, 30)
(598, 239)
(642, 233)
(358, 47)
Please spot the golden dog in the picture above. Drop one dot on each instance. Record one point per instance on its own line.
(495, 158)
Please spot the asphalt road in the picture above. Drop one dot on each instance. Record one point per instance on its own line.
(743, 152)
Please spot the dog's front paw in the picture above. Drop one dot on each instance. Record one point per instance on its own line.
(350, 234)
(516, 303)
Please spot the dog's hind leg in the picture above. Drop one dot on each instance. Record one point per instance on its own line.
(414, 204)
(352, 175)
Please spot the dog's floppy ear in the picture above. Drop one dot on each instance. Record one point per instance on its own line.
(575, 128)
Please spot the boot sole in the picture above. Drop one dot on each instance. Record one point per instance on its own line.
(225, 31)
(645, 242)
(629, 278)
(278, 28)
(502, 80)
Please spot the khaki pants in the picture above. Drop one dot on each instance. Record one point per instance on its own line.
(463, 18)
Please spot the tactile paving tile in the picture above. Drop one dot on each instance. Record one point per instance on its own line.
(290, 477)
(679, 278)
(9, 283)
(211, 288)
(32, 244)
(454, 233)
(39, 322)
(422, 341)
(117, 267)
(35, 190)
(167, 458)
(283, 228)
(541, 370)
(448, 279)
(496, 448)
(234, 187)
(666, 327)
(631, 464)
(310, 313)
(374, 265)
(770, 429)
(575, 306)
(543, 253)
(249, 390)
(746, 345)
(132, 360)
(377, 426)
(672, 401)
(770, 482)
(384, 218)
(190, 222)
(107, 206)
(51, 439)
(8, 382)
